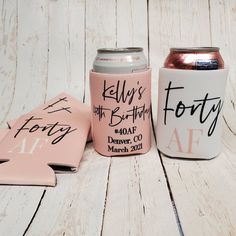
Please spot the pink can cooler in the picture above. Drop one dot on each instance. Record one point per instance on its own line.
(120, 87)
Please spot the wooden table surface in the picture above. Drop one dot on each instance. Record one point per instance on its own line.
(47, 47)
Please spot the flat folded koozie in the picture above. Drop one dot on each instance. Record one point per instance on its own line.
(50, 138)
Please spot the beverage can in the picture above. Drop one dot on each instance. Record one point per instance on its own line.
(195, 58)
(120, 89)
(120, 60)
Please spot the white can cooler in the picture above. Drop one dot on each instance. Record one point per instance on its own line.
(190, 112)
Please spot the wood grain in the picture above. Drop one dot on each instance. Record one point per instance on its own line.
(75, 206)
(132, 24)
(203, 191)
(66, 61)
(47, 47)
(175, 24)
(138, 201)
(31, 76)
(137, 189)
(8, 55)
(28, 72)
(100, 32)
(79, 201)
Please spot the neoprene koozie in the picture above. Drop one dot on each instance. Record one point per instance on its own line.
(190, 112)
(121, 117)
(54, 134)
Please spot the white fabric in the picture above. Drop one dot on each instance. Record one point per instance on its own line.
(189, 132)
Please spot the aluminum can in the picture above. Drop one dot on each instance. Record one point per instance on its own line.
(119, 60)
(195, 58)
(120, 89)
(190, 103)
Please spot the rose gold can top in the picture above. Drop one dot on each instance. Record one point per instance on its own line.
(194, 58)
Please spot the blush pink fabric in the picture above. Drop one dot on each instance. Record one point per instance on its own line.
(116, 130)
(3, 132)
(54, 134)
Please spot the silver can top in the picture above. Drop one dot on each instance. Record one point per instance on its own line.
(120, 50)
(120, 60)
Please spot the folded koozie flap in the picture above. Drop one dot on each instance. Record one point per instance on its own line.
(54, 134)
(26, 171)
(189, 112)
